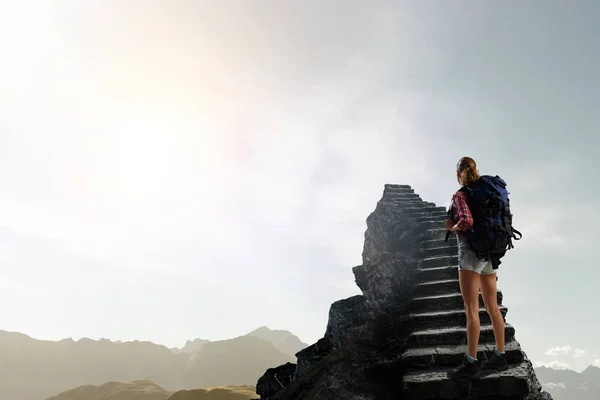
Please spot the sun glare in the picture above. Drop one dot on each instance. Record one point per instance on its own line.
(153, 159)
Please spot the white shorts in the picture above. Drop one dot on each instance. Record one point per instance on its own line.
(467, 259)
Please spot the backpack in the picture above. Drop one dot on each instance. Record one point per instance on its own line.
(492, 231)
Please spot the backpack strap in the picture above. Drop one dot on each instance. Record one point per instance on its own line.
(468, 190)
(495, 261)
(513, 236)
(519, 233)
(512, 232)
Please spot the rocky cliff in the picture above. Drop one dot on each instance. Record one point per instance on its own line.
(400, 337)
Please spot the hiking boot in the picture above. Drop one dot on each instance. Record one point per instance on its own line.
(495, 362)
(465, 369)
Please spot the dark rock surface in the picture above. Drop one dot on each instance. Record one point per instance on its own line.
(312, 355)
(400, 338)
(275, 379)
(346, 319)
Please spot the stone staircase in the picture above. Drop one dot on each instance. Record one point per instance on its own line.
(438, 341)
(407, 330)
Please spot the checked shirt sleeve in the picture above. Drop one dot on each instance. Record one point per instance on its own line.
(461, 212)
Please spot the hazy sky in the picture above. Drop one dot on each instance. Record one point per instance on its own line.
(180, 169)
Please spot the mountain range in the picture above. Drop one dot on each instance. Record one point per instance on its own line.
(147, 390)
(565, 384)
(32, 369)
(142, 390)
(87, 369)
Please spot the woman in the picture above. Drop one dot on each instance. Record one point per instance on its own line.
(473, 275)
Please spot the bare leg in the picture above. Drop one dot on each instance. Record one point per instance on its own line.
(490, 299)
(469, 287)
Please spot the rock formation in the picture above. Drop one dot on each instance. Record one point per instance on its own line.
(400, 337)
(275, 379)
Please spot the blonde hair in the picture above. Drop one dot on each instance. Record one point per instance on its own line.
(467, 170)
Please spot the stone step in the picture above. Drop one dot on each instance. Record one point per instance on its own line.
(402, 196)
(440, 251)
(444, 286)
(430, 243)
(399, 192)
(405, 203)
(422, 213)
(455, 335)
(429, 218)
(424, 206)
(431, 224)
(436, 385)
(396, 186)
(398, 189)
(457, 317)
(413, 205)
(443, 302)
(438, 273)
(404, 200)
(452, 355)
(436, 233)
(439, 261)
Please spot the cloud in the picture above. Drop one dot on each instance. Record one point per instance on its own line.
(579, 353)
(552, 385)
(553, 364)
(596, 363)
(557, 351)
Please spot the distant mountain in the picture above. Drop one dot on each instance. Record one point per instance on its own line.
(192, 346)
(239, 361)
(138, 390)
(283, 340)
(570, 385)
(217, 393)
(32, 369)
(147, 390)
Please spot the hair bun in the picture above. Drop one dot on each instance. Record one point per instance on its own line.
(467, 170)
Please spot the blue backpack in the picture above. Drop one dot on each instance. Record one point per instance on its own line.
(492, 231)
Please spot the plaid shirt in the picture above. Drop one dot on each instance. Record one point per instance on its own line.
(461, 214)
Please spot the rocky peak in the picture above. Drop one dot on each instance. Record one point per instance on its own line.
(192, 346)
(407, 330)
(282, 339)
(592, 369)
